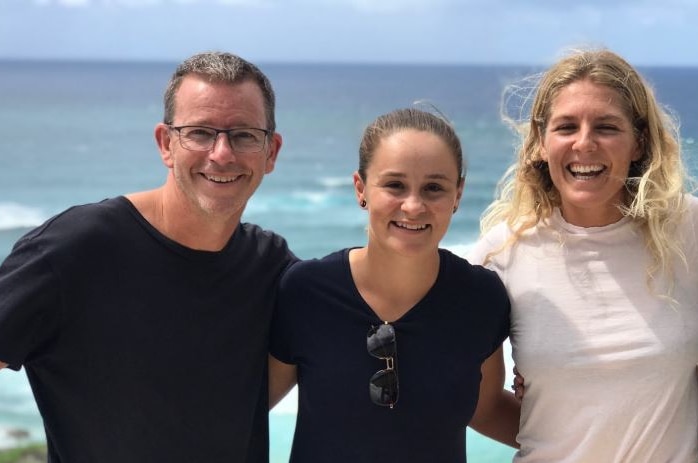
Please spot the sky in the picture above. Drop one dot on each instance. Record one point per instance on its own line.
(659, 32)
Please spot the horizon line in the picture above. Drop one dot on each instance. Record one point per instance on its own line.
(302, 62)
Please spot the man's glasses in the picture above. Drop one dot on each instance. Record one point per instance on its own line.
(242, 140)
(383, 386)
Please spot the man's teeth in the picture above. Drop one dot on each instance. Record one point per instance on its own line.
(411, 227)
(215, 178)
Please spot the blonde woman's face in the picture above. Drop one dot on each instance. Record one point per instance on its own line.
(589, 144)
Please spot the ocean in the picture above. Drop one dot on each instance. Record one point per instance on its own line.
(78, 132)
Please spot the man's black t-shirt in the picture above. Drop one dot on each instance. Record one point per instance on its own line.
(138, 349)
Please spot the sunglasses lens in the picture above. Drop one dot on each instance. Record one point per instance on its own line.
(381, 341)
(383, 388)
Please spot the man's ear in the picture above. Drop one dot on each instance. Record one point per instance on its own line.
(163, 138)
(275, 143)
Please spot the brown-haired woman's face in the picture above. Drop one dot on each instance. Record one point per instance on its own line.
(412, 185)
(589, 143)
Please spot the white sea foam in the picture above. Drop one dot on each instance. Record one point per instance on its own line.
(459, 249)
(336, 182)
(298, 201)
(311, 198)
(13, 215)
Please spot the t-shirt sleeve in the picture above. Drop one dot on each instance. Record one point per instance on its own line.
(29, 301)
(477, 252)
(494, 308)
(502, 302)
(491, 241)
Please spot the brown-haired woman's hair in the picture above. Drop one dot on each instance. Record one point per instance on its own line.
(405, 119)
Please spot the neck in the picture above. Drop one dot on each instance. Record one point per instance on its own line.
(181, 222)
(591, 218)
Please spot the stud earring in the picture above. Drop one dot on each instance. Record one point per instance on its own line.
(455, 208)
(362, 203)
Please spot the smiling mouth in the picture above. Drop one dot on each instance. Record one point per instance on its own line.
(220, 179)
(586, 171)
(411, 227)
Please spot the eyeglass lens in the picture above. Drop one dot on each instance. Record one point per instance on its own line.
(204, 138)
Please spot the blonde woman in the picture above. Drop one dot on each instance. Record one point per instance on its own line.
(594, 236)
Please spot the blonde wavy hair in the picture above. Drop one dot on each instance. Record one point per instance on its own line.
(656, 183)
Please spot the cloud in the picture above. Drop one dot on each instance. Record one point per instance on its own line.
(66, 3)
(440, 31)
(392, 6)
(106, 3)
(385, 6)
(128, 3)
(643, 11)
(249, 3)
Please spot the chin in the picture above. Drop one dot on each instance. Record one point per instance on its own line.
(415, 250)
(221, 208)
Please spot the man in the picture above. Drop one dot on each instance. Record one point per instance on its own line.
(142, 320)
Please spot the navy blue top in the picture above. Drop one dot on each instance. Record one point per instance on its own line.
(321, 325)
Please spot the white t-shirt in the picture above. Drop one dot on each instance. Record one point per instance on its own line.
(609, 366)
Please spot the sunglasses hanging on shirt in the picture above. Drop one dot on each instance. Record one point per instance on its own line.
(383, 385)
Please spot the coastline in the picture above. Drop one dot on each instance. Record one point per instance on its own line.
(13, 437)
(27, 453)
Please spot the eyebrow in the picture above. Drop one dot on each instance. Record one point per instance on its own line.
(605, 117)
(436, 176)
(612, 117)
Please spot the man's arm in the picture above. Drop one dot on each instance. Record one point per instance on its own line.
(498, 411)
(282, 378)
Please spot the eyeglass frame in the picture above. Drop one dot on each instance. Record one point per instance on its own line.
(227, 132)
(391, 364)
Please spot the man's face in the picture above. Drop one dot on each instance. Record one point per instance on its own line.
(220, 181)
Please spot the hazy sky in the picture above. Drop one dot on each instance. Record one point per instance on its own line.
(658, 32)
